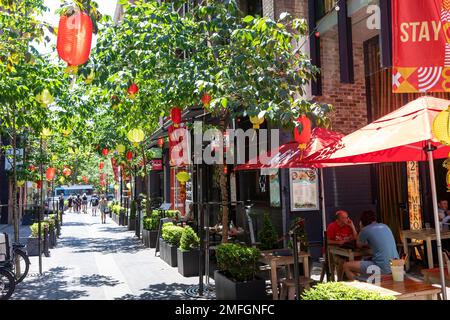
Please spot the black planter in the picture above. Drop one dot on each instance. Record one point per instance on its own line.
(171, 255)
(131, 224)
(32, 247)
(188, 262)
(162, 249)
(227, 289)
(52, 239)
(153, 237)
(146, 238)
(123, 220)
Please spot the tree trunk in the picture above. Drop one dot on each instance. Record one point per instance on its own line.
(14, 184)
(223, 182)
(146, 177)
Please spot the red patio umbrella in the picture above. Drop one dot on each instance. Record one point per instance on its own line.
(403, 135)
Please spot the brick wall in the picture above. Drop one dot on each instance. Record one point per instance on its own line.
(349, 100)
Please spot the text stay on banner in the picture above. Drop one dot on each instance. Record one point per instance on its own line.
(421, 46)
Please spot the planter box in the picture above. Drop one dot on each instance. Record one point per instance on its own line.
(33, 247)
(123, 220)
(188, 262)
(149, 238)
(52, 239)
(227, 289)
(162, 249)
(131, 224)
(171, 255)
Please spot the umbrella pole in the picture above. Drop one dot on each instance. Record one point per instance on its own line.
(430, 150)
(322, 191)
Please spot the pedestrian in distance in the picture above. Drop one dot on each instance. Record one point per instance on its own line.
(103, 206)
(78, 203)
(70, 203)
(61, 202)
(94, 204)
(84, 203)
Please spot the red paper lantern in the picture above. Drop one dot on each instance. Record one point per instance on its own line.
(133, 89)
(175, 115)
(129, 155)
(105, 152)
(304, 137)
(101, 165)
(38, 184)
(50, 174)
(31, 168)
(67, 172)
(74, 38)
(160, 142)
(85, 179)
(206, 99)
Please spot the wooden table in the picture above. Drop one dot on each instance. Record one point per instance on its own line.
(268, 257)
(426, 235)
(432, 276)
(409, 289)
(350, 254)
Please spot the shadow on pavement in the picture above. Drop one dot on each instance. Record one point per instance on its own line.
(52, 285)
(101, 245)
(97, 280)
(161, 291)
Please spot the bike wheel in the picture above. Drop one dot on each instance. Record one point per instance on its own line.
(7, 284)
(24, 263)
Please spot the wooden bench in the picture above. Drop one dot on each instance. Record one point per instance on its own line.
(288, 287)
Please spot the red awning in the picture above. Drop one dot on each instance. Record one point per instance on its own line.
(399, 136)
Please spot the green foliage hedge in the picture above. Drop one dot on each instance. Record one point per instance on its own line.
(189, 239)
(268, 236)
(172, 233)
(237, 261)
(339, 291)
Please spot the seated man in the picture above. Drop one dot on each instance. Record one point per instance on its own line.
(443, 209)
(380, 239)
(342, 230)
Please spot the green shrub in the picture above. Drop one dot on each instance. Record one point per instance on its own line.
(339, 291)
(189, 239)
(174, 214)
(237, 261)
(35, 229)
(152, 222)
(133, 209)
(268, 236)
(172, 233)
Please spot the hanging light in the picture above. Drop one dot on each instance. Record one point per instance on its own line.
(105, 152)
(206, 99)
(183, 177)
(62, 180)
(116, 187)
(101, 165)
(175, 116)
(50, 174)
(20, 183)
(74, 38)
(304, 136)
(257, 121)
(67, 172)
(120, 148)
(136, 136)
(38, 184)
(45, 97)
(31, 167)
(129, 155)
(85, 179)
(46, 133)
(160, 142)
(133, 89)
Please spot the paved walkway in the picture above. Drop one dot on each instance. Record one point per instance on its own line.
(101, 262)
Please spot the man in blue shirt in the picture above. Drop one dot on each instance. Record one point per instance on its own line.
(380, 239)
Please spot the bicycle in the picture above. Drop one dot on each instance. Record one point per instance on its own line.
(7, 283)
(16, 261)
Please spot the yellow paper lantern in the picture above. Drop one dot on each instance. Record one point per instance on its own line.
(46, 132)
(116, 187)
(62, 180)
(20, 183)
(45, 97)
(441, 127)
(90, 78)
(183, 177)
(120, 148)
(54, 157)
(256, 121)
(136, 136)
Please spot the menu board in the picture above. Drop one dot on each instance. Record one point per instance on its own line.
(304, 185)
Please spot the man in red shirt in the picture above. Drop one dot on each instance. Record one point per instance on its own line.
(341, 231)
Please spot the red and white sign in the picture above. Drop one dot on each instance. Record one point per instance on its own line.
(421, 46)
(157, 164)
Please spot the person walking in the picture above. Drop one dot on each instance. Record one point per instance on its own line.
(103, 206)
(94, 204)
(61, 202)
(70, 203)
(78, 203)
(84, 203)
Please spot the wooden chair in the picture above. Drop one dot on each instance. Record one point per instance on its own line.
(326, 261)
(411, 250)
(288, 287)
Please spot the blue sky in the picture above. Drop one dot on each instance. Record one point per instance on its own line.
(106, 7)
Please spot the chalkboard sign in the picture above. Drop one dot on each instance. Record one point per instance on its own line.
(161, 222)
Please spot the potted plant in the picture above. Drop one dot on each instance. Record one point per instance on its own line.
(236, 278)
(162, 242)
(150, 229)
(132, 217)
(51, 222)
(122, 217)
(339, 291)
(268, 236)
(33, 241)
(171, 235)
(188, 253)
